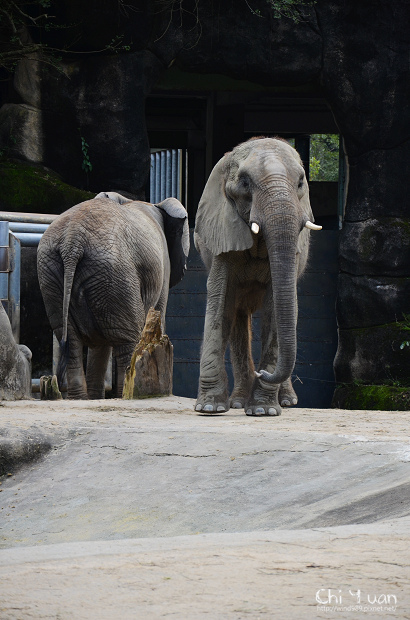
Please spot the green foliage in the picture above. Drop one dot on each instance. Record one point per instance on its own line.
(19, 18)
(324, 157)
(35, 189)
(116, 45)
(86, 164)
(372, 397)
(406, 327)
(24, 25)
(289, 8)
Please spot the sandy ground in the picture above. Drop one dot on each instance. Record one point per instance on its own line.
(144, 509)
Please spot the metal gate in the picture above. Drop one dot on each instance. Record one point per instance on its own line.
(166, 175)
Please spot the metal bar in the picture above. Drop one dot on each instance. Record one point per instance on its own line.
(4, 260)
(168, 190)
(341, 188)
(152, 179)
(174, 190)
(26, 227)
(108, 376)
(35, 387)
(29, 239)
(179, 172)
(163, 175)
(4, 233)
(14, 286)
(157, 178)
(56, 354)
(38, 218)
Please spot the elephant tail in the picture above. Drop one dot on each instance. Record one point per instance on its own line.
(70, 265)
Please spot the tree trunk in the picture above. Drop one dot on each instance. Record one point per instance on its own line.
(150, 370)
(49, 388)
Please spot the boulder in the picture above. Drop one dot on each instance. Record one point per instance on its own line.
(15, 363)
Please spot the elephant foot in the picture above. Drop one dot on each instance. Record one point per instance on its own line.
(211, 406)
(287, 395)
(264, 410)
(264, 400)
(237, 400)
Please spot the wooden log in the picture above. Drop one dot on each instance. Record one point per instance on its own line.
(49, 388)
(150, 371)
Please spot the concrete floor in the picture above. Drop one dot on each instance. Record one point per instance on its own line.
(145, 509)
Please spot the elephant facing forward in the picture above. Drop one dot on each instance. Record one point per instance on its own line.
(252, 231)
(101, 265)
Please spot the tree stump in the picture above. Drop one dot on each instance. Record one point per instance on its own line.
(150, 371)
(49, 388)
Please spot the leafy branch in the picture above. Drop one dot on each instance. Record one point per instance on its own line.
(406, 327)
(23, 26)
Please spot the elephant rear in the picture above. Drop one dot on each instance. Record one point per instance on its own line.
(101, 265)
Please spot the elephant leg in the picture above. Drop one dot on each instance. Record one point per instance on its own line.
(213, 382)
(97, 362)
(76, 383)
(287, 395)
(264, 396)
(122, 355)
(241, 357)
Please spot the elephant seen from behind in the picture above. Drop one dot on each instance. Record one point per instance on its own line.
(252, 231)
(101, 266)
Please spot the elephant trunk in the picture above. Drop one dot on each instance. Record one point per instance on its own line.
(281, 234)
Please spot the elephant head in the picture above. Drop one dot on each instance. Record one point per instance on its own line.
(259, 191)
(173, 219)
(115, 196)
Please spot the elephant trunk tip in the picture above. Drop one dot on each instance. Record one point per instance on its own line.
(276, 377)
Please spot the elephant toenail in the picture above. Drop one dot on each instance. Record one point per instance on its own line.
(237, 405)
(272, 411)
(285, 403)
(259, 410)
(198, 408)
(208, 407)
(294, 401)
(249, 412)
(220, 408)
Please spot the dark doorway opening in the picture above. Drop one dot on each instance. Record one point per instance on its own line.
(206, 124)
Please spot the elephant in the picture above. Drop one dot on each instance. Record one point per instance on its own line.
(15, 363)
(101, 266)
(252, 231)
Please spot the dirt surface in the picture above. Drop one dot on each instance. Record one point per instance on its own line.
(145, 509)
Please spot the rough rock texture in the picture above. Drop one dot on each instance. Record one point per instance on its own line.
(15, 363)
(150, 370)
(354, 54)
(34, 188)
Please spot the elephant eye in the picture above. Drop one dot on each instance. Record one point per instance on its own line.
(300, 184)
(244, 181)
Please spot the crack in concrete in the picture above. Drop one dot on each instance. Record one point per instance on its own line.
(191, 456)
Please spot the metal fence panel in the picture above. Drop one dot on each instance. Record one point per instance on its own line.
(166, 175)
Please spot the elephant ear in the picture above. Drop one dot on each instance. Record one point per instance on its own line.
(176, 229)
(218, 224)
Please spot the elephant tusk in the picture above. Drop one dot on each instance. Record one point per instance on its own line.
(255, 228)
(312, 226)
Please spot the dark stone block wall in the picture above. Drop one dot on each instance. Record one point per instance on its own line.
(353, 54)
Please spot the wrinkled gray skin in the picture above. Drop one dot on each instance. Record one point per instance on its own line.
(101, 266)
(260, 181)
(15, 363)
